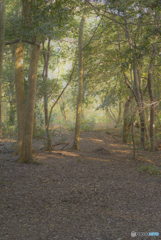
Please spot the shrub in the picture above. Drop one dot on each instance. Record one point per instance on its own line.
(87, 124)
(8, 129)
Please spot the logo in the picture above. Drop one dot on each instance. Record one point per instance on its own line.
(141, 234)
(133, 234)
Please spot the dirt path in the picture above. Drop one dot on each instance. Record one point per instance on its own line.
(95, 194)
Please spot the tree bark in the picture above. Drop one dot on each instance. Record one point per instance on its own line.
(20, 93)
(2, 28)
(140, 107)
(127, 120)
(26, 151)
(119, 113)
(34, 126)
(80, 85)
(136, 90)
(62, 108)
(46, 55)
(143, 107)
(152, 99)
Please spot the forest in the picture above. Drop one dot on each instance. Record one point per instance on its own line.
(80, 119)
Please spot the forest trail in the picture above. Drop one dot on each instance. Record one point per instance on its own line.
(97, 193)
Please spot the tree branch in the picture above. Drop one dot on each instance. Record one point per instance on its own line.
(71, 75)
(19, 40)
(115, 15)
(92, 36)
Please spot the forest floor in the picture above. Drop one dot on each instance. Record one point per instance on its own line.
(95, 194)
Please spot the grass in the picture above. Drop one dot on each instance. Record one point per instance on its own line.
(79, 160)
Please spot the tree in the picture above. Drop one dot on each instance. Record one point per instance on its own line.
(26, 151)
(137, 26)
(20, 93)
(46, 56)
(2, 26)
(126, 119)
(80, 84)
(152, 99)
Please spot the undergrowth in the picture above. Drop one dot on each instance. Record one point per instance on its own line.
(87, 124)
(150, 169)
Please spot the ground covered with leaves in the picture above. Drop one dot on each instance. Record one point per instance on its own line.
(99, 193)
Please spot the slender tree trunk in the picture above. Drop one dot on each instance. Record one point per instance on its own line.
(127, 120)
(136, 90)
(112, 115)
(152, 99)
(20, 93)
(12, 112)
(140, 103)
(119, 113)
(62, 108)
(140, 107)
(46, 55)
(26, 151)
(80, 85)
(143, 107)
(132, 133)
(157, 115)
(2, 27)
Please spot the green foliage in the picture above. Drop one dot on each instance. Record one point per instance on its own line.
(104, 63)
(8, 129)
(150, 169)
(87, 124)
(40, 19)
(79, 160)
(50, 87)
(60, 134)
(70, 126)
(40, 133)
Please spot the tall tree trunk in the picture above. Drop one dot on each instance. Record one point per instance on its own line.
(46, 55)
(62, 108)
(112, 114)
(152, 99)
(136, 90)
(26, 151)
(127, 120)
(157, 115)
(2, 27)
(20, 93)
(119, 113)
(140, 107)
(80, 85)
(143, 107)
